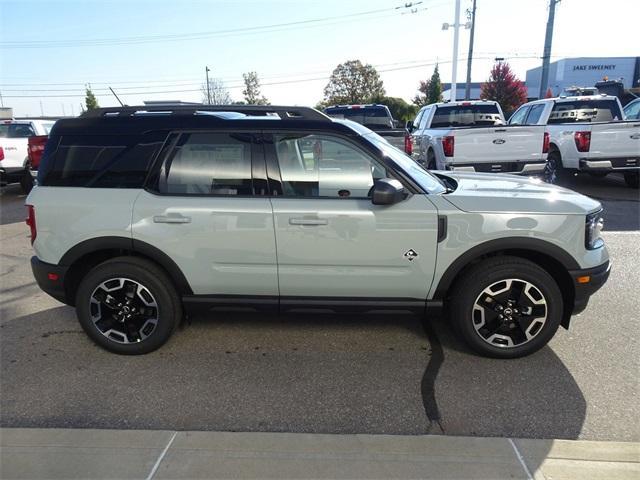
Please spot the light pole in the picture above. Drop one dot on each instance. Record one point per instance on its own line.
(546, 55)
(454, 67)
(206, 72)
(467, 90)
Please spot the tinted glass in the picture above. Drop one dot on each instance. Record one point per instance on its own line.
(16, 130)
(209, 164)
(378, 116)
(465, 116)
(321, 166)
(101, 161)
(632, 111)
(585, 111)
(534, 114)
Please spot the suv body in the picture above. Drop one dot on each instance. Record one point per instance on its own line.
(471, 136)
(14, 137)
(285, 209)
(586, 134)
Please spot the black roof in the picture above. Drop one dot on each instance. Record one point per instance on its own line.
(139, 119)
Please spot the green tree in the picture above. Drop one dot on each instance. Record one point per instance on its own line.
(429, 91)
(251, 92)
(90, 99)
(504, 87)
(400, 110)
(352, 82)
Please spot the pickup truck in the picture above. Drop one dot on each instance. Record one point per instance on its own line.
(14, 143)
(472, 136)
(377, 118)
(586, 134)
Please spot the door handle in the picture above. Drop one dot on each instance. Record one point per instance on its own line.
(308, 221)
(635, 136)
(171, 219)
(500, 130)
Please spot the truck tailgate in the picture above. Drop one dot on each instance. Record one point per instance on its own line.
(618, 142)
(15, 152)
(501, 144)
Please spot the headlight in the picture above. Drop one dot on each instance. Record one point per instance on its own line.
(592, 230)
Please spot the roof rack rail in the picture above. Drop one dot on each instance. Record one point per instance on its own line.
(284, 112)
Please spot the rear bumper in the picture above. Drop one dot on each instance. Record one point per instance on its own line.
(624, 164)
(50, 278)
(519, 168)
(583, 290)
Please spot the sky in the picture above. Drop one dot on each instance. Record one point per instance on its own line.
(158, 49)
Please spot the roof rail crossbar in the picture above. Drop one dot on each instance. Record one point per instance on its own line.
(284, 112)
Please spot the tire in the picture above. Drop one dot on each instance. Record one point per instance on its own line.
(111, 291)
(431, 161)
(632, 179)
(478, 299)
(26, 182)
(554, 172)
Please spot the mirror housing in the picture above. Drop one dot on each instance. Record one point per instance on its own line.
(409, 125)
(387, 191)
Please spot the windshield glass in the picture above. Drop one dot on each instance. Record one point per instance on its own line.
(466, 115)
(426, 180)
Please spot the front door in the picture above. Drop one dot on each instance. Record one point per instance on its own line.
(209, 213)
(331, 240)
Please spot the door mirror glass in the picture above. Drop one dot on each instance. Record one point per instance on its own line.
(409, 125)
(387, 191)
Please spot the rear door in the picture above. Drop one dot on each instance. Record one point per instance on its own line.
(208, 211)
(331, 240)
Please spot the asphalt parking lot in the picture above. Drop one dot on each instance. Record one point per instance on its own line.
(392, 374)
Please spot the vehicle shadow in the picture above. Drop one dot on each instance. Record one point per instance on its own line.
(531, 397)
(12, 208)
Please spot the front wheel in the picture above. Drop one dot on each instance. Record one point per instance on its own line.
(128, 306)
(632, 179)
(506, 307)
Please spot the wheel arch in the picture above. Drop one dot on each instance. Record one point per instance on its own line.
(81, 258)
(550, 257)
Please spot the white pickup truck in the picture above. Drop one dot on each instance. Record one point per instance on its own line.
(14, 139)
(472, 136)
(586, 134)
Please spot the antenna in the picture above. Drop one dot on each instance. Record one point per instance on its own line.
(117, 98)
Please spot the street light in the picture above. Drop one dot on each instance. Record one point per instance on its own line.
(456, 25)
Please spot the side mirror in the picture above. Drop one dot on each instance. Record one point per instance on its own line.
(387, 191)
(409, 125)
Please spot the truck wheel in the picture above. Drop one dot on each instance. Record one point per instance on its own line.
(506, 307)
(26, 182)
(431, 161)
(553, 172)
(127, 305)
(632, 179)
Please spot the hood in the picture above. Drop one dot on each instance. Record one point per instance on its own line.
(485, 192)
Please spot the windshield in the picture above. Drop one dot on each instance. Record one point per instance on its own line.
(466, 116)
(426, 180)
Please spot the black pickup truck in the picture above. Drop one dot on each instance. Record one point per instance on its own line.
(377, 118)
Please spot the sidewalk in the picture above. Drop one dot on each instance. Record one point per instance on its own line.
(61, 453)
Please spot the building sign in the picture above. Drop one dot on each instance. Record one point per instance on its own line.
(610, 66)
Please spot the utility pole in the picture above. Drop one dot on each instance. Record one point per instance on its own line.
(454, 67)
(41, 109)
(467, 90)
(206, 71)
(546, 55)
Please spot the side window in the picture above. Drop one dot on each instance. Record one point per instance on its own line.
(416, 121)
(209, 164)
(518, 117)
(633, 111)
(101, 161)
(425, 117)
(534, 114)
(324, 166)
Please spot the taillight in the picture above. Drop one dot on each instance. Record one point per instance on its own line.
(36, 149)
(448, 143)
(1, 153)
(545, 143)
(31, 221)
(408, 145)
(583, 141)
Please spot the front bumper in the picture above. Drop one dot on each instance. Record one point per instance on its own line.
(597, 276)
(50, 278)
(519, 168)
(624, 164)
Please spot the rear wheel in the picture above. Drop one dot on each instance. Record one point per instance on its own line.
(632, 179)
(554, 172)
(431, 161)
(128, 305)
(26, 182)
(506, 307)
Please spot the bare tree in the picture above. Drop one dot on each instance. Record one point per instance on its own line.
(217, 91)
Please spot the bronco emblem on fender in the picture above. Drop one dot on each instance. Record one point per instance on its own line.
(410, 254)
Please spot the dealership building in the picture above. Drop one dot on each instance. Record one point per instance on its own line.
(585, 72)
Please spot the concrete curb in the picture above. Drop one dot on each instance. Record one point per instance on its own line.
(75, 453)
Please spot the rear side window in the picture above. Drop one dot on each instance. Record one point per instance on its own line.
(465, 116)
(100, 161)
(16, 130)
(585, 111)
(534, 114)
(209, 164)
